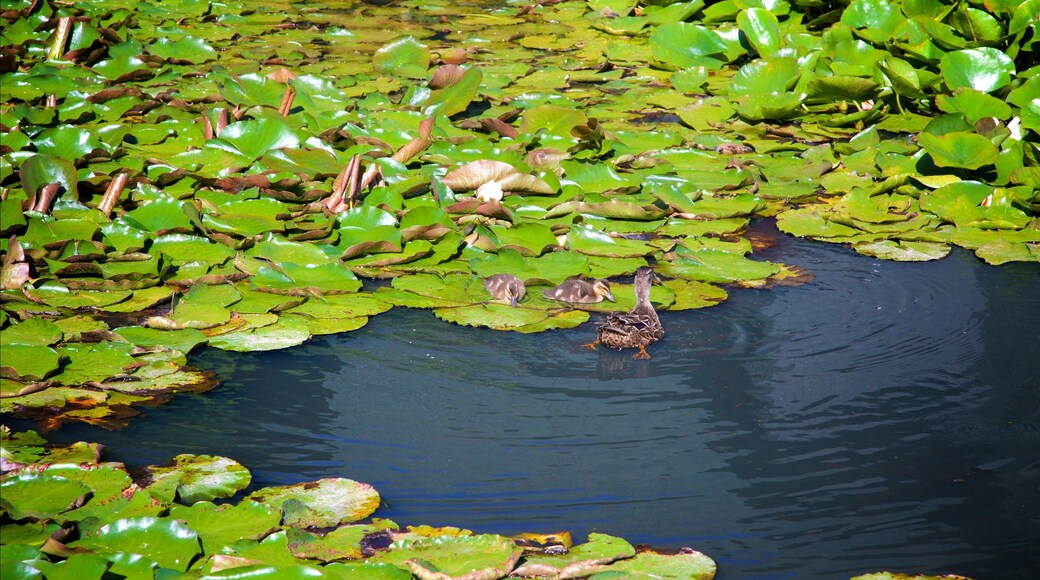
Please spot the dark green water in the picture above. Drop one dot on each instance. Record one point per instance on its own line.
(884, 416)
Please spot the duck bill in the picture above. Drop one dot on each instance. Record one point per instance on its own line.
(513, 300)
(609, 296)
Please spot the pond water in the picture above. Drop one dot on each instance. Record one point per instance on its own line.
(883, 416)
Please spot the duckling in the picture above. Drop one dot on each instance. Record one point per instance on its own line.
(505, 287)
(581, 291)
(637, 328)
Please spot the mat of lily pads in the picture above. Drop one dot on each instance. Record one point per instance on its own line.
(68, 513)
(199, 173)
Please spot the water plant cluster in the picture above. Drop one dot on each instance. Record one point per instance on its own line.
(188, 173)
(76, 516)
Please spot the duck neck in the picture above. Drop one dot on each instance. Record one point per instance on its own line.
(642, 293)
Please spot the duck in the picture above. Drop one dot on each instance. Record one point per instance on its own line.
(506, 287)
(637, 328)
(579, 291)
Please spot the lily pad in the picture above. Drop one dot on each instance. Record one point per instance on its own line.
(166, 541)
(220, 526)
(579, 561)
(690, 566)
(479, 556)
(323, 503)
(40, 496)
(195, 478)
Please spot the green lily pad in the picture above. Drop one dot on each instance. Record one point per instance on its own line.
(984, 69)
(284, 333)
(187, 48)
(498, 316)
(34, 331)
(166, 541)
(75, 567)
(40, 170)
(291, 278)
(278, 249)
(29, 362)
(404, 56)
(183, 340)
(964, 150)
(681, 45)
(40, 496)
(94, 361)
(251, 139)
(689, 566)
(161, 216)
(579, 561)
(130, 503)
(716, 266)
(904, 251)
(762, 30)
(343, 543)
(220, 526)
(455, 97)
(321, 504)
(480, 556)
(596, 243)
(194, 478)
(66, 142)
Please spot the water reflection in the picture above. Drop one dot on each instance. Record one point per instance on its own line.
(884, 416)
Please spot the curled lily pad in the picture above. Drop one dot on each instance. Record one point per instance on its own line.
(323, 503)
(474, 174)
(194, 478)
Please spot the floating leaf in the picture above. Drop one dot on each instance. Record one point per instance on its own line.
(168, 542)
(404, 56)
(40, 496)
(964, 150)
(220, 526)
(282, 334)
(681, 45)
(29, 362)
(325, 503)
(761, 29)
(194, 478)
(41, 170)
(456, 97)
(688, 566)
(580, 560)
(983, 69)
(480, 556)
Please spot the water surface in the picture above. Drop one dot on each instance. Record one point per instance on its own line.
(884, 416)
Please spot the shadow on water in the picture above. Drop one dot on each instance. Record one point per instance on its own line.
(884, 416)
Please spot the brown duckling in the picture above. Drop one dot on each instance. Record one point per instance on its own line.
(637, 328)
(505, 287)
(581, 291)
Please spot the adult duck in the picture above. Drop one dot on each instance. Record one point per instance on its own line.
(638, 328)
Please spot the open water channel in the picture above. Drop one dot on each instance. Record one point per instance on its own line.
(883, 416)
